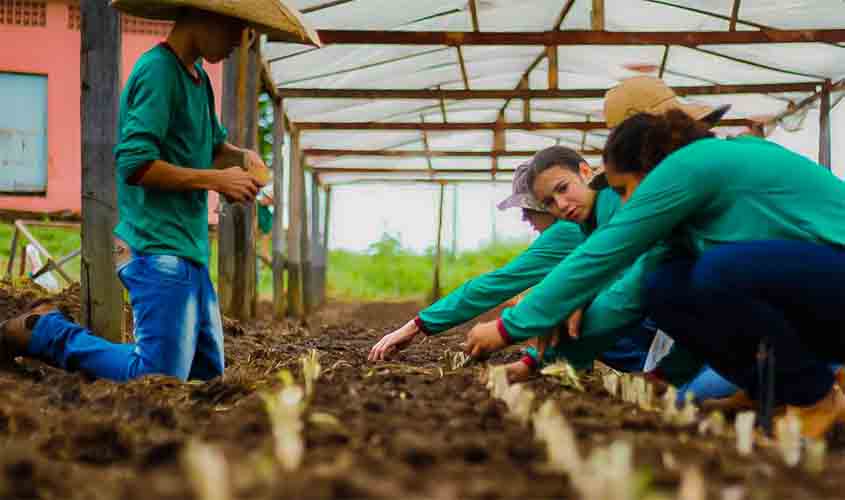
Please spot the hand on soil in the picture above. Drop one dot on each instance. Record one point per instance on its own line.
(393, 342)
(484, 338)
(237, 185)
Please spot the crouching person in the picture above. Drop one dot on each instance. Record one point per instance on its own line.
(171, 151)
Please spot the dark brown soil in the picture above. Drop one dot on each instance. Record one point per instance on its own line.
(407, 429)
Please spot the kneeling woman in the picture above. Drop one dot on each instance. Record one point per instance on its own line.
(763, 225)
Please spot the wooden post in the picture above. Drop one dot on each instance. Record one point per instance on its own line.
(526, 103)
(279, 302)
(435, 292)
(12, 252)
(551, 55)
(316, 241)
(734, 15)
(326, 225)
(597, 15)
(296, 306)
(824, 126)
(236, 229)
(305, 240)
(102, 294)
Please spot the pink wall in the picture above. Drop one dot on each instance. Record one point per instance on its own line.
(54, 51)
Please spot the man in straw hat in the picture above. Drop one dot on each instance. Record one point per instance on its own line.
(171, 151)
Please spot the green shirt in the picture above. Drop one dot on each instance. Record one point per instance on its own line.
(165, 114)
(710, 192)
(485, 292)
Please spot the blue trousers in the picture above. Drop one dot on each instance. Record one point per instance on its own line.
(722, 304)
(178, 329)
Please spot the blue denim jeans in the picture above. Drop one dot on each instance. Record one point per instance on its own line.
(707, 384)
(178, 328)
(720, 305)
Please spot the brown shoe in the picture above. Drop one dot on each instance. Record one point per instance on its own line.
(15, 333)
(819, 418)
(735, 402)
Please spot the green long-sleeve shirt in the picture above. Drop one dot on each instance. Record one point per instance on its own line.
(485, 292)
(710, 192)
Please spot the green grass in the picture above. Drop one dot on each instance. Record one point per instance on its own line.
(386, 272)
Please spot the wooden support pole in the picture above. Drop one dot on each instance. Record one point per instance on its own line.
(296, 184)
(663, 62)
(526, 103)
(463, 65)
(443, 127)
(426, 147)
(316, 243)
(551, 55)
(236, 282)
(308, 296)
(279, 302)
(499, 143)
(326, 225)
(597, 15)
(443, 107)
(577, 37)
(102, 294)
(734, 15)
(824, 126)
(12, 252)
(438, 250)
(458, 94)
(473, 9)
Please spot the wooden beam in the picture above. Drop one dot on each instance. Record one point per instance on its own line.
(824, 126)
(551, 55)
(435, 94)
(577, 37)
(327, 218)
(396, 126)
(438, 249)
(808, 101)
(237, 287)
(410, 171)
(392, 153)
(473, 9)
(267, 80)
(315, 241)
(279, 302)
(426, 146)
(734, 15)
(462, 63)
(443, 108)
(326, 5)
(296, 184)
(526, 103)
(100, 73)
(563, 13)
(663, 62)
(597, 15)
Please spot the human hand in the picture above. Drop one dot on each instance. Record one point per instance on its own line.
(484, 338)
(573, 324)
(256, 167)
(236, 184)
(394, 342)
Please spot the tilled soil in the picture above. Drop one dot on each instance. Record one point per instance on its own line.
(410, 428)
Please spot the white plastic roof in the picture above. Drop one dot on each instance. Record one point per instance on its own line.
(502, 67)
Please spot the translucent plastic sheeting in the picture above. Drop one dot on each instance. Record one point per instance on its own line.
(363, 139)
(812, 58)
(480, 163)
(461, 141)
(368, 162)
(792, 14)
(340, 178)
(716, 69)
(357, 110)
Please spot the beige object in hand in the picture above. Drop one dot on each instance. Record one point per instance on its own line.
(260, 173)
(274, 17)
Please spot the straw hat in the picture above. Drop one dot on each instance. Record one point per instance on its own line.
(647, 94)
(266, 16)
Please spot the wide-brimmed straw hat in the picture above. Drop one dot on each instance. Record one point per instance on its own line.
(647, 94)
(522, 196)
(273, 17)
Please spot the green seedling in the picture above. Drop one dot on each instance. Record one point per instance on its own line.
(207, 471)
(744, 425)
(565, 373)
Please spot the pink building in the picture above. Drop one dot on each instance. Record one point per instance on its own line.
(40, 143)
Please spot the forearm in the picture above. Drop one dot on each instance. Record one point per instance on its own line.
(228, 155)
(168, 177)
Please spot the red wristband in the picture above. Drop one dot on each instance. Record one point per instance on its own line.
(500, 325)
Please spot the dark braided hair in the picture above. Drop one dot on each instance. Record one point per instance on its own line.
(642, 141)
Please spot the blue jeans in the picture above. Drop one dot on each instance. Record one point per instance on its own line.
(707, 384)
(721, 305)
(178, 329)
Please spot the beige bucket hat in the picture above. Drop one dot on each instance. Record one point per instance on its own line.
(266, 16)
(648, 94)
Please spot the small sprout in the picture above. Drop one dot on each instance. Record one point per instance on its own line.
(610, 381)
(692, 485)
(788, 431)
(565, 373)
(815, 456)
(519, 401)
(670, 405)
(645, 393)
(713, 425)
(629, 392)
(744, 425)
(689, 412)
(311, 370)
(608, 473)
(458, 360)
(324, 419)
(285, 409)
(206, 468)
(497, 381)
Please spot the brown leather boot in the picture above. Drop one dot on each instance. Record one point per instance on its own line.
(15, 333)
(819, 418)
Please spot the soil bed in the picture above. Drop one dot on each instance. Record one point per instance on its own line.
(409, 428)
